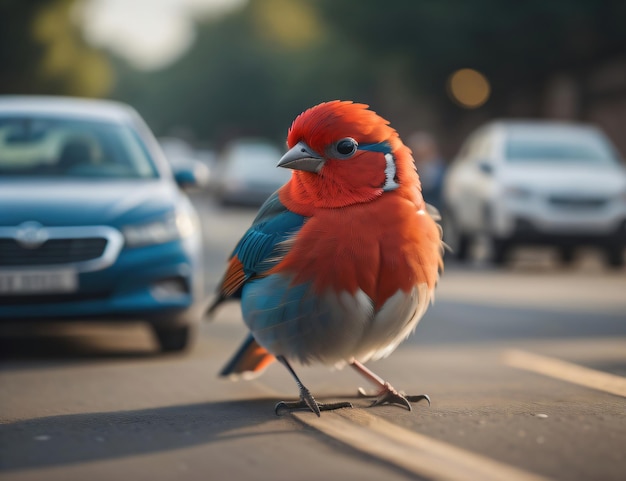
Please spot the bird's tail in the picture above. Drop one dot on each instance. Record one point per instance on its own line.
(229, 287)
(249, 361)
(212, 305)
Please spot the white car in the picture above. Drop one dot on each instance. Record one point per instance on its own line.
(536, 182)
(246, 173)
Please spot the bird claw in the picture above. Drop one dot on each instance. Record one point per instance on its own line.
(308, 402)
(389, 395)
(303, 405)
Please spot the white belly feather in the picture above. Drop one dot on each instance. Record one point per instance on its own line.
(340, 327)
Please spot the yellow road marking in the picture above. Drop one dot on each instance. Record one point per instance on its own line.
(413, 452)
(566, 371)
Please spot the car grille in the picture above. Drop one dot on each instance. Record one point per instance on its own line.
(51, 252)
(31, 245)
(578, 202)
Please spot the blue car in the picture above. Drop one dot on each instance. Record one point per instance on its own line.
(93, 223)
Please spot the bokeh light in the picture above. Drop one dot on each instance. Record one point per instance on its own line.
(469, 88)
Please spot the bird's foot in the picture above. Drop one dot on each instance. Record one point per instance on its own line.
(389, 395)
(308, 402)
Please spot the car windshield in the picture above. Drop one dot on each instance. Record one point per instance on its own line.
(575, 146)
(61, 148)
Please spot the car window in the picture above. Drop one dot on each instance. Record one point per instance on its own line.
(255, 162)
(544, 145)
(55, 147)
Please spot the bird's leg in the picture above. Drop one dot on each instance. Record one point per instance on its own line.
(306, 398)
(387, 393)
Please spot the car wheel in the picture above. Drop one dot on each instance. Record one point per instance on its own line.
(458, 241)
(614, 256)
(500, 251)
(566, 255)
(173, 339)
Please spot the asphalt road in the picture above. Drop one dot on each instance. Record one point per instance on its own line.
(525, 366)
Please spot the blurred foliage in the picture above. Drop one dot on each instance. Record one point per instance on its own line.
(516, 44)
(43, 52)
(251, 71)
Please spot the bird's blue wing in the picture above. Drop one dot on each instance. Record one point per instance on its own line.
(260, 248)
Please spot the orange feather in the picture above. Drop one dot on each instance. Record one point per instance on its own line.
(233, 278)
(344, 250)
(249, 361)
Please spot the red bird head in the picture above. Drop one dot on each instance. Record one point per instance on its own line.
(344, 154)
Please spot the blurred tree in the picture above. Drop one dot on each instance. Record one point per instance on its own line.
(252, 71)
(517, 45)
(249, 73)
(43, 52)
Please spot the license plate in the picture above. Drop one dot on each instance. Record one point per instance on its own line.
(38, 282)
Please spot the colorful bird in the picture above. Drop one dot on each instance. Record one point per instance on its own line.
(341, 262)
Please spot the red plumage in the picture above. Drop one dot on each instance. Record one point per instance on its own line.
(346, 182)
(382, 243)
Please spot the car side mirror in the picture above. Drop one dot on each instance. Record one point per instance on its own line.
(192, 175)
(486, 167)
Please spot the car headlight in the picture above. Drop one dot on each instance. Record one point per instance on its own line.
(175, 225)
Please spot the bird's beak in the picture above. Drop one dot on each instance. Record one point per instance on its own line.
(302, 157)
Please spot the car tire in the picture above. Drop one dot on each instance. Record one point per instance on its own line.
(501, 249)
(173, 339)
(566, 255)
(614, 256)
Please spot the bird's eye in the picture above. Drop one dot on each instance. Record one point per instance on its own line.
(344, 148)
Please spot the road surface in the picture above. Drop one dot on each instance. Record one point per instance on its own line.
(525, 366)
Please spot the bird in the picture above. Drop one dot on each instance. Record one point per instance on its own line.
(341, 262)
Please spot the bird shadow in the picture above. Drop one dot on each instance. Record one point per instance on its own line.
(74, 438)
